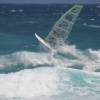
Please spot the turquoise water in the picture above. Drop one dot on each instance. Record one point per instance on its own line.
(28, 73)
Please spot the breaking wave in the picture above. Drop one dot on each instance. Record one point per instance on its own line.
(67, 56)
(51, 76)
(50, 83)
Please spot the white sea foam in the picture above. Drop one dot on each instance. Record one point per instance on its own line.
(20, 10)
(92, 26)
(98, 6)
(49, 82)
(89, 59)
(68, 56)
(12, 10)
(25, 58)
(52, 83)
(28, 83)
(92, 19)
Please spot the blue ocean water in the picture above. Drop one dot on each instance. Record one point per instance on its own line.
(27, 73)
(18, 23)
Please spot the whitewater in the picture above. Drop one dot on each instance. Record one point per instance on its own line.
(67, 75)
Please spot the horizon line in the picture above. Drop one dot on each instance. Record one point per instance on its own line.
(48, 3)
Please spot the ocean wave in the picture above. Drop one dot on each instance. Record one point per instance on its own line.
(92, 19)
(27, 22)
(67, 56)
(28, 83)
(98, 6)
(12, 10)
(92, 26)
(87, 60)
(20, 10)
(51, 82)
(23, 58)
(58, 82)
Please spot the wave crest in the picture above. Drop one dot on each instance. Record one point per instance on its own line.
(67, 56)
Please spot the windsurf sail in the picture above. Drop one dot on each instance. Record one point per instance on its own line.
(63, 26)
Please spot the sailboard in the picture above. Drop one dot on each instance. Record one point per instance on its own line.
(41, 40)
(62, 28)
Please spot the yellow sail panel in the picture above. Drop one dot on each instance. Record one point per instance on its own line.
(63, 26)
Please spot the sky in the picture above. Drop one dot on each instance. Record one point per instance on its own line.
(50, 1)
